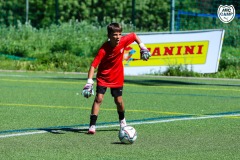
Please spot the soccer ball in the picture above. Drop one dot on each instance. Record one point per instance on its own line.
(127, 135)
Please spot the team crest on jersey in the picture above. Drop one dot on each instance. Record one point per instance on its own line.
(122, 50)
(226, 13)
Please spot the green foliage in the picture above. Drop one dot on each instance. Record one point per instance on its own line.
(11, 11)
(180, 70)
(60, 61)
(44, 13)
(229, 67)
(147, 15)
(230, 58)
(78, 38)
(64, 47)
(230, 72)
(71, 47)
(149, 19)
(194, 21)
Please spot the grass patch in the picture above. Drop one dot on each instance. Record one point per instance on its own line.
(52, 102)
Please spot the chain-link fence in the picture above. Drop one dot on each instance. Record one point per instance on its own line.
(203, 15)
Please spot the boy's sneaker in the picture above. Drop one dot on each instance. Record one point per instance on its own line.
(92, 129)
(123, 123)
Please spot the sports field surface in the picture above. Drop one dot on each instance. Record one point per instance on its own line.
(44, 116)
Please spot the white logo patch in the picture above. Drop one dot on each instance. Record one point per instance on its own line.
(226, 13)
(122, 50)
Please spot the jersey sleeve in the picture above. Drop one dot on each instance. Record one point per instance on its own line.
(130, 38)
(98, 57)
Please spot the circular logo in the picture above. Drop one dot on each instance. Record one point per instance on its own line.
(226, 13)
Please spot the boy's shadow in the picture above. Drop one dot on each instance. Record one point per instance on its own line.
(75, 130)
(83, 131)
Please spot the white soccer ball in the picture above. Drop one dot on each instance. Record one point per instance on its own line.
(127, 135)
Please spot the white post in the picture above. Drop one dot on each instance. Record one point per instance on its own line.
(173, 15)
(27, 10)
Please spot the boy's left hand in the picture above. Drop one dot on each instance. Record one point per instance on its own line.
(145, 54)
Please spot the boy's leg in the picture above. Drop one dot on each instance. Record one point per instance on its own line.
(94, 113)
(121, 111)
(120, 106)
(95, 108)
(117, 94)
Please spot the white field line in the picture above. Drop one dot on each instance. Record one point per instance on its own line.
(22, 134)
(132, 123)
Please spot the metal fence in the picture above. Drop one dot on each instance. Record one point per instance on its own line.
(205, 16)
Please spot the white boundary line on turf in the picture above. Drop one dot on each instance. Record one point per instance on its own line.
(133, 123)
(22, 134)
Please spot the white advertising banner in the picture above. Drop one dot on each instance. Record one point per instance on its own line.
(198, 51)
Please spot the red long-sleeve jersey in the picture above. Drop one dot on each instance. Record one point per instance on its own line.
(109, 62)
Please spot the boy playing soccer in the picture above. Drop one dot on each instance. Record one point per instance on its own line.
(110, 72)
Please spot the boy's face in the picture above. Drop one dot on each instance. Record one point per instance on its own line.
(115, 38)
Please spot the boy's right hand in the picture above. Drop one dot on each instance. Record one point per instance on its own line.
(88, 89)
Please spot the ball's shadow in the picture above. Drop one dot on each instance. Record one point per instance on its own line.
(118, 143)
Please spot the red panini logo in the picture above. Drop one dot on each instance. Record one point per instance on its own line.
(172, 53)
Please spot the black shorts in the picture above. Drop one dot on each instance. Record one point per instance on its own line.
(116, 92)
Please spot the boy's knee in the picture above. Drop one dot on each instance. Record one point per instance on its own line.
(118, 101)
(98, 100)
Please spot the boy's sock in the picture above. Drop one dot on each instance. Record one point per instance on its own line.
(121, 115)
(93, 119)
